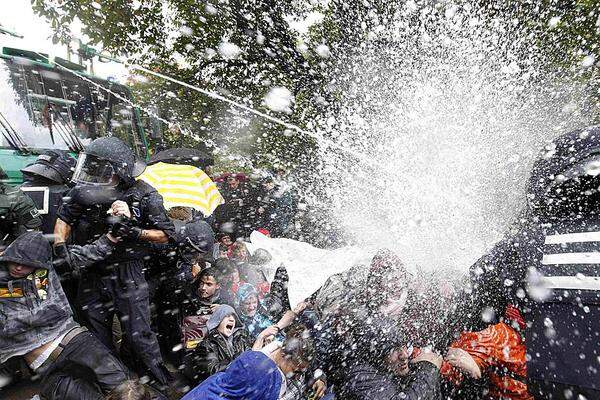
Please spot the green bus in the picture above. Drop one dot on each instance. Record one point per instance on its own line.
(54, 104)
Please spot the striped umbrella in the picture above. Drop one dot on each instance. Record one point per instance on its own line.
(183, 186)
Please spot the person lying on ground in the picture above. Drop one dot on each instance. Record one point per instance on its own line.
(494, 356)
(390, 373)
(37, 321)
(258, 375)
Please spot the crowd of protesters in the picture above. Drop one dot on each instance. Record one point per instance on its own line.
(128, 300)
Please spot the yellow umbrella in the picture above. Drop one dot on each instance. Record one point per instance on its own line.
(183, 186)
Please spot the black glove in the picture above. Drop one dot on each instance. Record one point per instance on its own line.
(125, 229)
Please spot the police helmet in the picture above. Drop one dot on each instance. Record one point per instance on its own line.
(54, 165)
(104, 159)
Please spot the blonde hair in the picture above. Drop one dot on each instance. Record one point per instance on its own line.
(180, 213)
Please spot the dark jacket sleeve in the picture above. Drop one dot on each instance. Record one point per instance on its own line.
(424, 385)
(70, 210)
(157, 216)
(206, 360)
(485, 296)
(367, 383)
(83, 256)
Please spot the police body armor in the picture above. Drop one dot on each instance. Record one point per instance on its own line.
(93, 219)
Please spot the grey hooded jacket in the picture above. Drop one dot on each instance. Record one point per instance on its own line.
(34, 310)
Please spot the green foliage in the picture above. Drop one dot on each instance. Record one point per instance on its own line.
(185, 38)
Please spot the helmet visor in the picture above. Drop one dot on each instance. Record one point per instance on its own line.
(92, 170)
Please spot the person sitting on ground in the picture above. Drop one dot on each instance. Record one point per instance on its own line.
(37, 321)
(202, 299)
(226, 340)
(225, 241)
(238, 252)
(230, 279)
(389, 370)
(258, 375)
(254, 271)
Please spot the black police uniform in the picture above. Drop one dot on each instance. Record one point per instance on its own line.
(549, 266)
(117, 285)
(104, 173)
(46, 182)
(18, 214)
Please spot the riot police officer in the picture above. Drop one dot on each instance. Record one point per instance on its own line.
(18, 214)
(46, 181)
(105, 182)
(549, 266)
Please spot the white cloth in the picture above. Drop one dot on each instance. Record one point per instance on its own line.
(46, 353)
(308, 266)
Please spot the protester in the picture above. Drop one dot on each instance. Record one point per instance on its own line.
(202, 297)
(37, 322)
(258, 375)
(238, 252)
(225, 242)
(236, 209)
(394, 378)
(226, 339)
(178, 266)
(254, 271)
(253, 314)
(229, 279)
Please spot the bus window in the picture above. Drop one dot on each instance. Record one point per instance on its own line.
(117, 115)
(32, 102)
(83, 111)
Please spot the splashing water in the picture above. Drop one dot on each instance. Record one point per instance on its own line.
(457, 114)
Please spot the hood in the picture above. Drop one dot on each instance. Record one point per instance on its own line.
(31, 249)
(251, 376)
(245, 291)
(224, 310)
(387, 276)
(565, 179)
